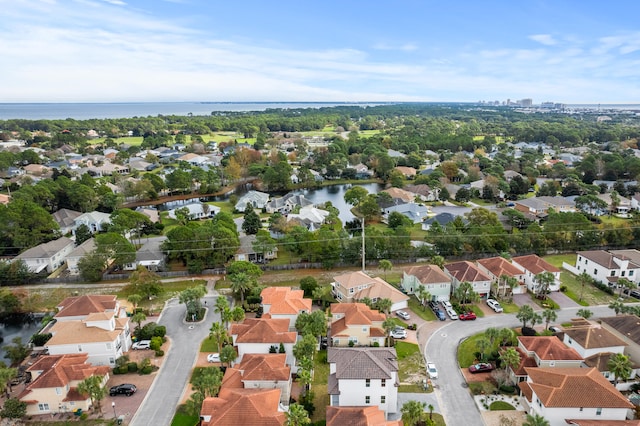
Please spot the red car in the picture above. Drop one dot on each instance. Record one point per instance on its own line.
(467, 316)
(480, 367)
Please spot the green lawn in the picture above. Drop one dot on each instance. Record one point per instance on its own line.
(411, 367)
(319, 385)
(129, 140)
(557, 259)
(171, 288)
(590, 295)
(183, 419)
(466, 350)
(424, 313)
(209, 345)
(501, 405)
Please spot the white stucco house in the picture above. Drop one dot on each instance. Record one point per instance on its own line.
(47, 256)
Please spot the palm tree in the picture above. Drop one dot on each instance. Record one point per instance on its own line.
(430, 408)
(549, 315)
(296, 416)
(536, 420)
(482, 344)
(138, 317)
(384, 305)
(388, 325)
(134, 299)
(525, 314)
(412, 412)
(544, 280)
(506, 335)
(583, 279)
(93, 388)
(510, 358)
(624, 283)
(385, 265)
(438, 261)
(423, 294)
(492, 334)
(240, 283)
(218, 333)
(620, 366)
(617, 306)
(584, 313)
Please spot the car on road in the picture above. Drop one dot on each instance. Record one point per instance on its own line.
(142, 344)
(493, 304)
(440, 314)
(215, 357)
(432, 371)
(398, 333)
(404, 315)
(123, 389)
(480, 367)
(467, 316)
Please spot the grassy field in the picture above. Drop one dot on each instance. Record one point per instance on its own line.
(466, 350)
(183, 419)
(319, 385)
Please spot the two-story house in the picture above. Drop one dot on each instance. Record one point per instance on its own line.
(73, 258)
(499, 269)
(559, 394)
(361, 416)
(95, 325)
(357, 323)
(362, 377)
(465, 271)
(533, 265)
(258, 335)
(233, 407)
(284, 303)
(47, 256)
(260, 371)
(592, 340)
(607, 267)
(355, 286)
(431, 277)
(543, 351)
(54, 384)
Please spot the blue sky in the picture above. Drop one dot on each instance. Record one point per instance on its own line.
(282, 50)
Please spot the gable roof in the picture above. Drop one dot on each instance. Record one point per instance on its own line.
(573, 387)
(549, 348)
(83, 249)
(263, 330)
(355, 314)
(45, 250)
(428, 274)
(358, 416)
(401, 194)
(254, 407)
(466, 271)
(627, 325)
(264, 367)
(65, 217)
(77, 332)
(500, 266)
(593, 337)
(376, 287)
(85, 305)
(535, 264)
(606, 259)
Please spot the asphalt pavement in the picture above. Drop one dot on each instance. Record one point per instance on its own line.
(454, 399)
(159, 405)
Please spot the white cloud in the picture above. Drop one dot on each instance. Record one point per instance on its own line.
(546, 39)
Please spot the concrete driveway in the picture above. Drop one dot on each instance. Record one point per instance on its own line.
(159, 405)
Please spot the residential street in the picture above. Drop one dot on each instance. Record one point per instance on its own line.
(454, 400)
(159, 406)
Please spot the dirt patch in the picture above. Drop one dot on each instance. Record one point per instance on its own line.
(494, 418)
(475, 377)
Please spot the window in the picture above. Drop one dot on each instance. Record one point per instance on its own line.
(598, 411)
(79, 348)
(351, 290)
(43, 407)
(383, 399)
(552, 363)
(365, 329)
(622, 273)
(581, 409)
(58, 391)
(613, 273)
(595, 272)
(367, 383)
(630, 273)
(383, 383)
(109, 345)
(367, 399)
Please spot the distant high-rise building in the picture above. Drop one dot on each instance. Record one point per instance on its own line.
(526, 103)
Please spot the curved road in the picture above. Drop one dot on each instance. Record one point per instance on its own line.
(454, 399)
(159, 405)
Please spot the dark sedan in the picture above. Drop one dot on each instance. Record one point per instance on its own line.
(480, 367)
(123, 389)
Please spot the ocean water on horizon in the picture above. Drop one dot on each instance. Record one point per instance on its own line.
(86, 111)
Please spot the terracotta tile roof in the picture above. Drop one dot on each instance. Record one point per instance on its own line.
(606, 259)
(358, 416)
(466, 271)
(627, 325)
(535, 264)
(58, 371)
(263, 330)
(594, 337)
(357, 313)
(549, 348)
(353, 279)
(85, 305)
(575, 387)
(525, 361)
(381, 290)
(246, 407)
(264, 367)
(500, 266)
(358, 363)
(581, 422)
(428, 274)
(99, 316)
(232, 379)
(71, 332)
(284, 300)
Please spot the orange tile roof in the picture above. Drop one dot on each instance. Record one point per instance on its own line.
(85, 305)
(72, 332)
(357, 313)
(549, 348)
(263, 330)
(285, 301)
(264, 367)
(574, 387)
(525, 361)
(246, 407)
(585, 422)
(358, 416)
(466, 271)
(500, 266)
(535, 264)
(353, 279)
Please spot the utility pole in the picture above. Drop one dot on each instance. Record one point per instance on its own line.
(363, 254)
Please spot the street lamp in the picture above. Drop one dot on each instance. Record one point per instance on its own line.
(113, 404)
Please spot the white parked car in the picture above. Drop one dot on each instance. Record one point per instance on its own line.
(446, 304)
(493, 304)
(404, 315)
(432, 371)
(398, 333)
(213, 357)
(142, 344)
(452, 314)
